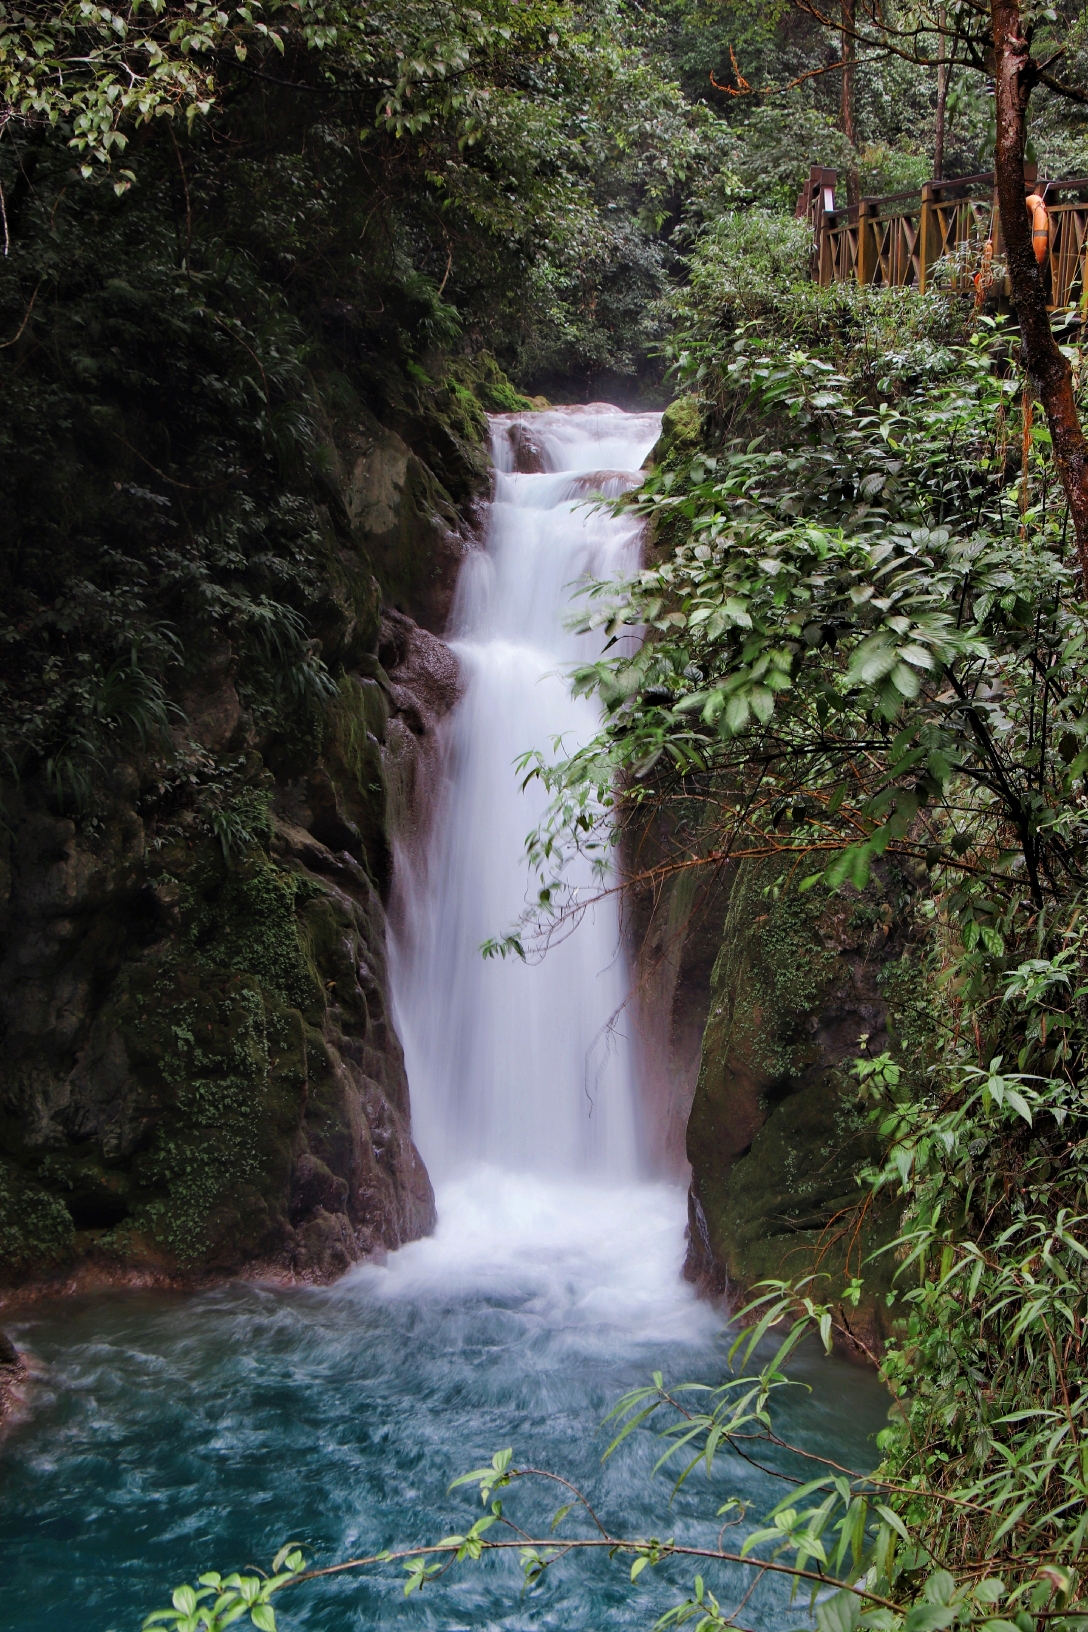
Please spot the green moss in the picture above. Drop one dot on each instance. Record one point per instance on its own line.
(770, 973)
(356, 723)
(681, 435)
(463, 407)
(909, 987)
(493, 389)
(36, 1230)
(230, 1059)
(777, 1135)
(249, 925)
(213, 1032)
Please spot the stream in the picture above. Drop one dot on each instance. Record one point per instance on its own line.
(167, 1433)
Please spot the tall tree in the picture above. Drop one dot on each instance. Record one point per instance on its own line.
(1016, 73)
(943, 76)
(849, 69)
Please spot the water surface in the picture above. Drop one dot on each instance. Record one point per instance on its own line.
(169, 1434)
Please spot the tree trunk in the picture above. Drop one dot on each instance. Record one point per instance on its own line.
(942, 94)
(849, 51)
(1047, 370)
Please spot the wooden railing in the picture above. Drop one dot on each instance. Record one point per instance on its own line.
(898, 239)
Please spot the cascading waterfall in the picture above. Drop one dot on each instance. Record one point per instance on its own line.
(526, 1067)
(172, 1434)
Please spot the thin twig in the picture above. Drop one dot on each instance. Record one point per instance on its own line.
(4, 344)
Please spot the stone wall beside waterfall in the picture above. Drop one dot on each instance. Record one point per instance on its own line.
(199, 1069)
(777, 1134)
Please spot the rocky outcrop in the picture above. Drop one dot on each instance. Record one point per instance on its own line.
(776, 1136)
(199, 1070)
(413, 529)
(424, 684)
(674, 928)
(13, 1372)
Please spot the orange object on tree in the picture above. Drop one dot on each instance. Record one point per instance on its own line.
(1040, 226)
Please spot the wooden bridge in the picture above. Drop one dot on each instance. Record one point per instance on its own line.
(898, 239)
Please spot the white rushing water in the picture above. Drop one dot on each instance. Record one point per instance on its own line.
(526, 1067)
(523, 1076)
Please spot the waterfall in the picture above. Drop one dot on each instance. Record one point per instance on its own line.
(239, 1415)
(527, 1067)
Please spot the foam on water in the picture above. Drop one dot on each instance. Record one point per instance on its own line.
(598, 1263)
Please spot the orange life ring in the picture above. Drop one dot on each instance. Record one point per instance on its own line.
(1040, 226)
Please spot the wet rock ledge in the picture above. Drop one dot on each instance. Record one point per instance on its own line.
(13, 1371)
(777, 1134)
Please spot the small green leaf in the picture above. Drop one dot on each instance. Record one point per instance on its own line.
(886, 1513)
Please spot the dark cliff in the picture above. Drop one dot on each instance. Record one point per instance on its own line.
(211, 483)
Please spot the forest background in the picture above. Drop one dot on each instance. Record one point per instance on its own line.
(227, 232)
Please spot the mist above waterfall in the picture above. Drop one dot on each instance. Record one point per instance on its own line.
(529, 1068)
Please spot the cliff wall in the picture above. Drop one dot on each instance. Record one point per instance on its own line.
(755, 1002)
(803, 986)
(225, 700)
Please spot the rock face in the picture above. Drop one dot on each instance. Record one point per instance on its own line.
(776, 1133)
(425, 682)
(674, 929)
(199, 1072)
(414, 529)
(13, 1371)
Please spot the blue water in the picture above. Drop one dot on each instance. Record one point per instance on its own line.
(166, 1434)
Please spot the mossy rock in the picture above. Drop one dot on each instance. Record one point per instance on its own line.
(36, 1228)
(777, 1135)
(251, 1043)
(493, 389)
(681, 435)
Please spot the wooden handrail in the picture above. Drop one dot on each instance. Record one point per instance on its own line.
(986, 176)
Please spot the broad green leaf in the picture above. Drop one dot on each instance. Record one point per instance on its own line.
(874, 658)
(736, 711)
(929, 1618)
(839, 1613)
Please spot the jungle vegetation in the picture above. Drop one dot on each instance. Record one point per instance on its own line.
(222, 228)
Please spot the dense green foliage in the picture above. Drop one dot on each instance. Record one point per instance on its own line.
(865, 639)
(360, 207)
(189, 358)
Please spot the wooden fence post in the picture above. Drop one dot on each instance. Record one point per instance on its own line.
(926, 235)
(864, 261)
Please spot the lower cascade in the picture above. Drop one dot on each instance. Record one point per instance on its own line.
(169, 1432)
